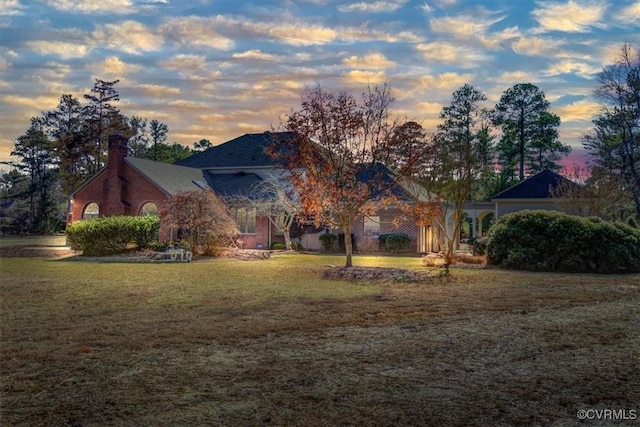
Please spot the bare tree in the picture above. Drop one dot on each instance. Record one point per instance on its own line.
(338, 154)
(202, 216)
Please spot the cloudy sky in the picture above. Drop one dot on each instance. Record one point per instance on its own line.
(216, 69)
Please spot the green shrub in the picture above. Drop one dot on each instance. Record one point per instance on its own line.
(554, 241)
(328, 241)
(297, 246)
(111, 235)
(394, 242)
(277, 246)
(382, 241)
(479, 245)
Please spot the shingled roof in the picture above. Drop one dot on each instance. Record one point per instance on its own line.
(169, 178)
(538, 186)
(232, 185)
(245, 151)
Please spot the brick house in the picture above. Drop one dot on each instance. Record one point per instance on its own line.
(133, 186)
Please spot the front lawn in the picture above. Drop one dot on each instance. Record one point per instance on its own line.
(227, 342)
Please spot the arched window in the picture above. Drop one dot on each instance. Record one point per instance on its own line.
(92, 210)
(149, 209)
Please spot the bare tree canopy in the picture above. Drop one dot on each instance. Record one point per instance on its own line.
(338, 162)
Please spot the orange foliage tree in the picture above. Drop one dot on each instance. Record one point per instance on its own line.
(202, 216)
(343, 158)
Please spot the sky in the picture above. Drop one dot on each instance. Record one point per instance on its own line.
(217, 69)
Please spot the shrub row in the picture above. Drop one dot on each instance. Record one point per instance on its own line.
(394, 242)
(328, 241)
(111, 235)
(554, 241)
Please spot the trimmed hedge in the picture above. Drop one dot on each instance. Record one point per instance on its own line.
(111, 235)
(328, 241)
(554, 241)
(394, 242)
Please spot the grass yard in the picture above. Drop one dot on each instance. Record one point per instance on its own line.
(245, 343)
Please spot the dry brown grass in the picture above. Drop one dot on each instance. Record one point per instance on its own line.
(238, 343)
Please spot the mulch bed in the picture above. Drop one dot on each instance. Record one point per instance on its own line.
(378, 274)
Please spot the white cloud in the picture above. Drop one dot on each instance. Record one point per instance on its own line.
(128, 36)
(535, 46)
(373, 6)
(464, 26)
(185, 62)
(583, 110)
(194, 30)
(288, 30)
(512, 77)
(159, 91)
(64, 50)
(370, 61)
(450, 53)
(630, 14)
(446, 81)
(475, 28)
(572, 67)
(32, 103)
(572, 16)
(254, 54)
(114, 67)
(11, 8)
(119, 7)
(365, 77)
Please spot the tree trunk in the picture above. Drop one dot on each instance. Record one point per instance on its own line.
(287, 239)
(348, 247)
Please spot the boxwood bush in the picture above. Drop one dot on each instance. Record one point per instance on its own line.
(111, 235)
(554, 241)
(394, 242)
(328, 241)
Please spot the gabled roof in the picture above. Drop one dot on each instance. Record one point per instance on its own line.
(232, 185)
(538, 186)
(245, 151)
(169, 178)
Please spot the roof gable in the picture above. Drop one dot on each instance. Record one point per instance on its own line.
(245, 151)
(538, 186)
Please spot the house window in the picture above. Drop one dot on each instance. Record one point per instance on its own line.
(246, 219)
(149, 209)
(371, 226)
(92, 210)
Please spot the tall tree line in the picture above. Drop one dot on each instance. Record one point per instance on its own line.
(62, 148)
(614, 142)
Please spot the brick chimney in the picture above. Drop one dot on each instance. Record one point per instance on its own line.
(112, 190)
(117, 153)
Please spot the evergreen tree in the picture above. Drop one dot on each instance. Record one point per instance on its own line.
(38, 164)
(529, 131)
(64, 127)
(102, 119)
(158, 134)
